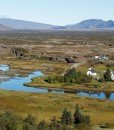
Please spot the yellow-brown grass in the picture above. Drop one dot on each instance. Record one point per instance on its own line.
(45, 106)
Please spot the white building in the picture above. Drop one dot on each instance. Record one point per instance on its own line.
(91, 72)
(112, 75)
(102, 57)
(97, 57)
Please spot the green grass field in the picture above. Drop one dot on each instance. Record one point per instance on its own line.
(45, 106)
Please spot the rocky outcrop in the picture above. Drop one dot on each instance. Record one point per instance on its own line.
(20, 53)
(65, 59)
(71, 59)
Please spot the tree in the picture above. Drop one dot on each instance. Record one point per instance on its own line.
(77, 115)
(70, 75)
(9, 121)
(54, 124)
(42, 126)
(80, 118)
(66, 117)
(29, 123)
(107, 75)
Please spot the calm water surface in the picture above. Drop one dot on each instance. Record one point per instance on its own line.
(16, 84)
(4, 68)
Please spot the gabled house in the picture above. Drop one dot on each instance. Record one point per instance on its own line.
(91, 72)
(112, 75)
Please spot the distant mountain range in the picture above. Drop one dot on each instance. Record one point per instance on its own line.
(4, 28)
(21, 24)
(7, 23)
(92, 24)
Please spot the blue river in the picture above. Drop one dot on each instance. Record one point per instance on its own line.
(17, 84)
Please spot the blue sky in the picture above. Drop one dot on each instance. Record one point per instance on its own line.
(57, 12)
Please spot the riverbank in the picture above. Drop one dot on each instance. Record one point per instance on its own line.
(40, 83)
(27, 66)
(23, 68)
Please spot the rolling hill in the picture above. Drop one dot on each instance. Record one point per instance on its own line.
(92, 24)
(21, 24)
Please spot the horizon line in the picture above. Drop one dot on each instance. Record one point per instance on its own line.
(55, 24)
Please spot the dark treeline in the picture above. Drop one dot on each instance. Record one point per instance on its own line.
(67, 121)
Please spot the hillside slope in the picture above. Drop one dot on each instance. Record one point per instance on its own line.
(21, 24)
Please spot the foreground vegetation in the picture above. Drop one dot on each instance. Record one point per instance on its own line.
(10, 121)
(46, 106)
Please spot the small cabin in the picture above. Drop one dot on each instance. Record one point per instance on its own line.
(91, 72)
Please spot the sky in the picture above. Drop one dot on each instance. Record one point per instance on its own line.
(57, 12)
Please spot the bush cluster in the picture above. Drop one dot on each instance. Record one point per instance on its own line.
(10, 121)
(107, 75)
(70, 77)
